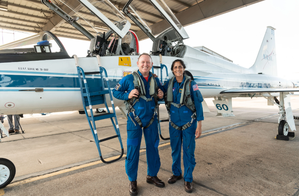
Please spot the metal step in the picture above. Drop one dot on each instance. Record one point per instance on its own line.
(104, 92)
(103, 116)
(91, 73)
(107, 138)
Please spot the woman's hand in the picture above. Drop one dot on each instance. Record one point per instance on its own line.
(198, 130)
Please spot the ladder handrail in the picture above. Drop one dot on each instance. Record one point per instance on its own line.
(81, 77)
(80, 71)
(116, 126)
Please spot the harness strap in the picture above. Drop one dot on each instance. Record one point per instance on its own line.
(182, 128)
(139, 83)
(146, 99)
(187, 80)
(137, 119)
(177, 105)
(150, 122)
(130, 103)
(185, 98)
(185, 126)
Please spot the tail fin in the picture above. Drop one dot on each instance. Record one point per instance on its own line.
(265, 62)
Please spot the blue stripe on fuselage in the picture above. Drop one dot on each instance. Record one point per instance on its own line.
(11, 82)
(38, 81)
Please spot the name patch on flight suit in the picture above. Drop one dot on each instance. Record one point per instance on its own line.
(117, 86)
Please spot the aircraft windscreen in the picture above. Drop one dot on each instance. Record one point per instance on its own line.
(169, 13)
(83, 17)
(109, 10)
(136, 13)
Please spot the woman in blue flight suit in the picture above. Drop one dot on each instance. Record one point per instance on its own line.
(184, 126)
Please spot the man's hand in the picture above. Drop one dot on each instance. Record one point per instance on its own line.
(160, 94)
(133, 93)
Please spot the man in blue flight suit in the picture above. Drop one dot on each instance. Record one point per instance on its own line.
(140, 90)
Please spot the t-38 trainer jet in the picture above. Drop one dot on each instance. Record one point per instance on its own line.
(39, 76)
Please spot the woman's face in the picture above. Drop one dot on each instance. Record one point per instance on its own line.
(178, 69)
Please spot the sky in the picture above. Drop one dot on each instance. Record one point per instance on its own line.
(236, 35)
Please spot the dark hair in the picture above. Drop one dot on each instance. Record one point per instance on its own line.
(145, 54)
(180, 61)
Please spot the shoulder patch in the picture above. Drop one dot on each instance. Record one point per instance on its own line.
(117, 86)
(195, 87)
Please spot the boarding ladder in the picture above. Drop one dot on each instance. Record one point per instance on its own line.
(161, 67)
(94, 93)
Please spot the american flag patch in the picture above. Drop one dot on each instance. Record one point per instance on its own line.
(195, 87)
(173, 89)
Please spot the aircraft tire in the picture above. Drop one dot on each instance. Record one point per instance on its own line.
(7, 172)
(283, 128)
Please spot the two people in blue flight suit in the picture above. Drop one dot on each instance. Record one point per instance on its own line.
(145, 111)
(183, 129)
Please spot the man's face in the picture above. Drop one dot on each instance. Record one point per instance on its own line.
(144, 64)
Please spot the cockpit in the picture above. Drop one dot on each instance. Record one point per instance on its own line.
(42, 46)
(117, 40)
(170, 41)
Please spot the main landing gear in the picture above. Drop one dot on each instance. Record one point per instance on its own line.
(286, 120)
(7, 172)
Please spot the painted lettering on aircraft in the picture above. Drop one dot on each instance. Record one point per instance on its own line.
(255, 85)
(268, 57)
(33, 69)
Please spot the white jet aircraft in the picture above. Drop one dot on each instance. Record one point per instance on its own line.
(44, 78)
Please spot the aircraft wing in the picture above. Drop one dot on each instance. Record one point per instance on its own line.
(260, 90)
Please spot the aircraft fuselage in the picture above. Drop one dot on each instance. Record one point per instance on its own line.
(52, 85)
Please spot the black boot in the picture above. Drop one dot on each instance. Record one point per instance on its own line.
(133, 188)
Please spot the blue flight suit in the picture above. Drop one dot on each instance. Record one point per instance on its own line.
(181, 116)
(145, 111)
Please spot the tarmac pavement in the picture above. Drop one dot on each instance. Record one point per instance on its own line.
(235, 156)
